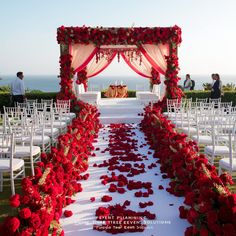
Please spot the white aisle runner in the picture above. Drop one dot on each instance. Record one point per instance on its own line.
(167, 222)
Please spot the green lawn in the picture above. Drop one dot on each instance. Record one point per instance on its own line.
(5, 208)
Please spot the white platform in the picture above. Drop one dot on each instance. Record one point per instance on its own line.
(120, 110)
(146, 96)
(165, 205)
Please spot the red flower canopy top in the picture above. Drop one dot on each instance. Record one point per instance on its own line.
(148, 51)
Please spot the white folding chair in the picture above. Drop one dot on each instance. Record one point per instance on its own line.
(8, 164)
(24, 139)
(171, 104)
(220, 144)
(201, 100)
(72, 115)
(214, 100)
(229, 163)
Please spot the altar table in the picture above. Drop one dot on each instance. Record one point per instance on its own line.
(117, 91)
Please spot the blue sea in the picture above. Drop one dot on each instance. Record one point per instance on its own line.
(50, 83)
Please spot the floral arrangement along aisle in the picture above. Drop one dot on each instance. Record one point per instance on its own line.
(210, 206)
(39, 207)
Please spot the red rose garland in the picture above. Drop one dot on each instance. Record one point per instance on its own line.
(211, 208)
(66, 76)
(55, 181)
(118, 36)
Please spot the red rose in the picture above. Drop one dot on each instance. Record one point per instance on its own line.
(183, 212)
(232, 199)
(229, 229)
(204, 232)
(13, 224)
(25, 213)
(68, 213)
(112, 188)
(192, 216)
(138, 194)
(35, 220)
(92, 199)
(15, 200)
(106, 198)
(211, 217)
(189, 198)
(189, 231)
(121, 190)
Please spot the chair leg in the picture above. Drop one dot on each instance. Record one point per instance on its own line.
(12, 184)
(23, 172)
(219, 171)
(32, 164)
(1, 182)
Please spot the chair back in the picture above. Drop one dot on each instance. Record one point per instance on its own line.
(214, 100)
(7, 146)
(201, 99)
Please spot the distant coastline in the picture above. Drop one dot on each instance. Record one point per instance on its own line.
(50, 83)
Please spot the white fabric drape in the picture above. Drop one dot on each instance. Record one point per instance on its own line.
(81, 55)
(144, 69)
(95, 67)
(156, 55)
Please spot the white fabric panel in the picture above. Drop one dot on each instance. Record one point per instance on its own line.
(158, 53)
(80, 53)
(93, 67)
(145, 67)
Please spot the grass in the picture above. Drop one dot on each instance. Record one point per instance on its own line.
(5, 208)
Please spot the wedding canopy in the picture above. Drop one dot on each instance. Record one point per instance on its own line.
(149, 52)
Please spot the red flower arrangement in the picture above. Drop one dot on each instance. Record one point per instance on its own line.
(39, 207)
(210, 207)
(82, 79)
(155, 77)
(121, 36)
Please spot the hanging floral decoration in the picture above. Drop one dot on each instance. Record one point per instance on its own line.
(82, 79)
(155, 77)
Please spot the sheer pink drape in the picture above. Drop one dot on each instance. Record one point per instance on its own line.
(95, 67)
(81, 54)
(155, 54)
(144, 69)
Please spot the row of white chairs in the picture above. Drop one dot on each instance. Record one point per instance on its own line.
(212, 124)
(28, 130)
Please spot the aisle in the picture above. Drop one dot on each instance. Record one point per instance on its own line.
(165, 207)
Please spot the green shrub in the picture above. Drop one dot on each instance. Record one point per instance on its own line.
(227, 97)
(5, 97)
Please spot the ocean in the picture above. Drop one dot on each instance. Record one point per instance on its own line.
(50, 83)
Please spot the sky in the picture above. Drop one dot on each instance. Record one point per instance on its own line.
(28, 31)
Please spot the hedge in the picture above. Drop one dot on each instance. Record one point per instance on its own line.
(228, 96)
(5, 97)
